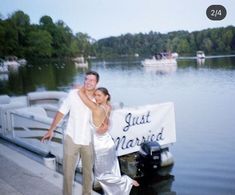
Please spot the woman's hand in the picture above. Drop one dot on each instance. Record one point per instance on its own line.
(103, 128)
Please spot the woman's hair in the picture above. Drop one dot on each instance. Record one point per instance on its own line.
(105, 92)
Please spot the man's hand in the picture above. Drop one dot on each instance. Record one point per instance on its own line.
(47, 136)
(50, 132)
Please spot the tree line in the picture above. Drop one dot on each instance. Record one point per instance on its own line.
(55, 39)
(211, 41)
(47, 39)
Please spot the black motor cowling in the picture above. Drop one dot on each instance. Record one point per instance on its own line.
(149, 157)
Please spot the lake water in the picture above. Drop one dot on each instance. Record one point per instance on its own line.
(204, 100)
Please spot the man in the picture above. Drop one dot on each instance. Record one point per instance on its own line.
(77, 141)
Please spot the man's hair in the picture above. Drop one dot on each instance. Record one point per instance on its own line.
(91, 72)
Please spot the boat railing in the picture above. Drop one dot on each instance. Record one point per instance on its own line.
(8, 104)
(45, 97)
(25, 119)
(26, 129)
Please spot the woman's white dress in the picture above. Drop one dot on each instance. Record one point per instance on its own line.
(106, 167)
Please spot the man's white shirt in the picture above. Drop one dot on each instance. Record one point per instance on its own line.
(78, 127)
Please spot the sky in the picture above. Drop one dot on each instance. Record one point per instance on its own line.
(104, 18)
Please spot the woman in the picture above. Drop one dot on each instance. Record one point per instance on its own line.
(106, 169)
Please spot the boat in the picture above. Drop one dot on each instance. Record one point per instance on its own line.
(136, 55)
(80, 62)
(136, 133)
(3, 67)
(200, 55)
(14, 62)
(22, 61)
(11, 61)
(175, 55)
(160, 60)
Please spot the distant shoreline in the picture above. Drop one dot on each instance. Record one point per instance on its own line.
(207, 57)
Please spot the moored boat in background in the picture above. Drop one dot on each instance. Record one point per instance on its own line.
(200, 55)
(160, 60)
(13, 62)
(3, 67)
(80, 62)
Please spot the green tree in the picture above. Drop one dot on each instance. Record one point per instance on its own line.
(83, 44)
(39, 44)
(10, 39)
(183, 46)
(227, 38)
(46, 22)
(207, 45)
(20, 22)
(2, 35)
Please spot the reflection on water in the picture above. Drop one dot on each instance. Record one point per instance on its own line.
(157, 182)
(14, 69)
(203, 96)
(160, 69)
(200, 61)
(50, 75)
(58, 74)
(4, 76)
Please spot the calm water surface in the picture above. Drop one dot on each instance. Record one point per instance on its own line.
(204, 99)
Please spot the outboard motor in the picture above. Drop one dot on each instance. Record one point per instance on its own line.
(149, 157)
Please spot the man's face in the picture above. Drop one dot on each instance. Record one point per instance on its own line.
(90, 82)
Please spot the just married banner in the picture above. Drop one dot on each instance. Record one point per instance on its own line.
(132, 126)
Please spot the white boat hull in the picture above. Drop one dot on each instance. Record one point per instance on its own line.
(159, 63)
(25, 120)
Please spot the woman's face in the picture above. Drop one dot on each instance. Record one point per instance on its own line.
(100, 97)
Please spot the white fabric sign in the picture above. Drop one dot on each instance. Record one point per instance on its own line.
(132, 126)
